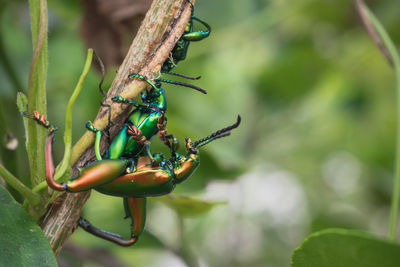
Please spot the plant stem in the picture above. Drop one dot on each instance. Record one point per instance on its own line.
(15, 183)
(68, 117)
(37, 90)
(393, 57)
(372, 31)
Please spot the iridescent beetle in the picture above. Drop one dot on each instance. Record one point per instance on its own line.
(145, 121)
(180, 50)
(148, 178)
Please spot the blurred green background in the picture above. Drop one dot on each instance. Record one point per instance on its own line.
(315, 148)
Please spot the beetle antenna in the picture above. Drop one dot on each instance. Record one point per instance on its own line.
(218, 134)
(183, 84)
(191, 6)
(183, 76)
(212, 139)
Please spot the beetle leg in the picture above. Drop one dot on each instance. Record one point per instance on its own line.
(120, 99)
(137, 135)
(161, 126)
(90, 127)
(50, 164)
(197, 35)
(191, 6)
(117, 239)
(135, 208)
(94, 175)
(173, 141)
(168, 139)
(97, 173)
(143, 78)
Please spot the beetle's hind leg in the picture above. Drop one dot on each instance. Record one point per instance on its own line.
(198, 35)
(135, 208)
(41, 120)
(117, 239)
(94, 175)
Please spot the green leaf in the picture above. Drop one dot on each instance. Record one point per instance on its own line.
(22, 242)
(345, 248)
(188, 206)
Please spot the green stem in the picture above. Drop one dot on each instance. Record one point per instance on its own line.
(68, 117)
(396, 65)
(13, 181)
(40, 187)
(37, 90)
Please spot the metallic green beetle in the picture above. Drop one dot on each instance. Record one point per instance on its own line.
(148, 179)
(180, 50)
(145, 121)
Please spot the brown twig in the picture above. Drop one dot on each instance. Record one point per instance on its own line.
(372, 32)
(162, 27)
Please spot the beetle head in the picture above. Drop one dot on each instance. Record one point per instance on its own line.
(150, 95)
